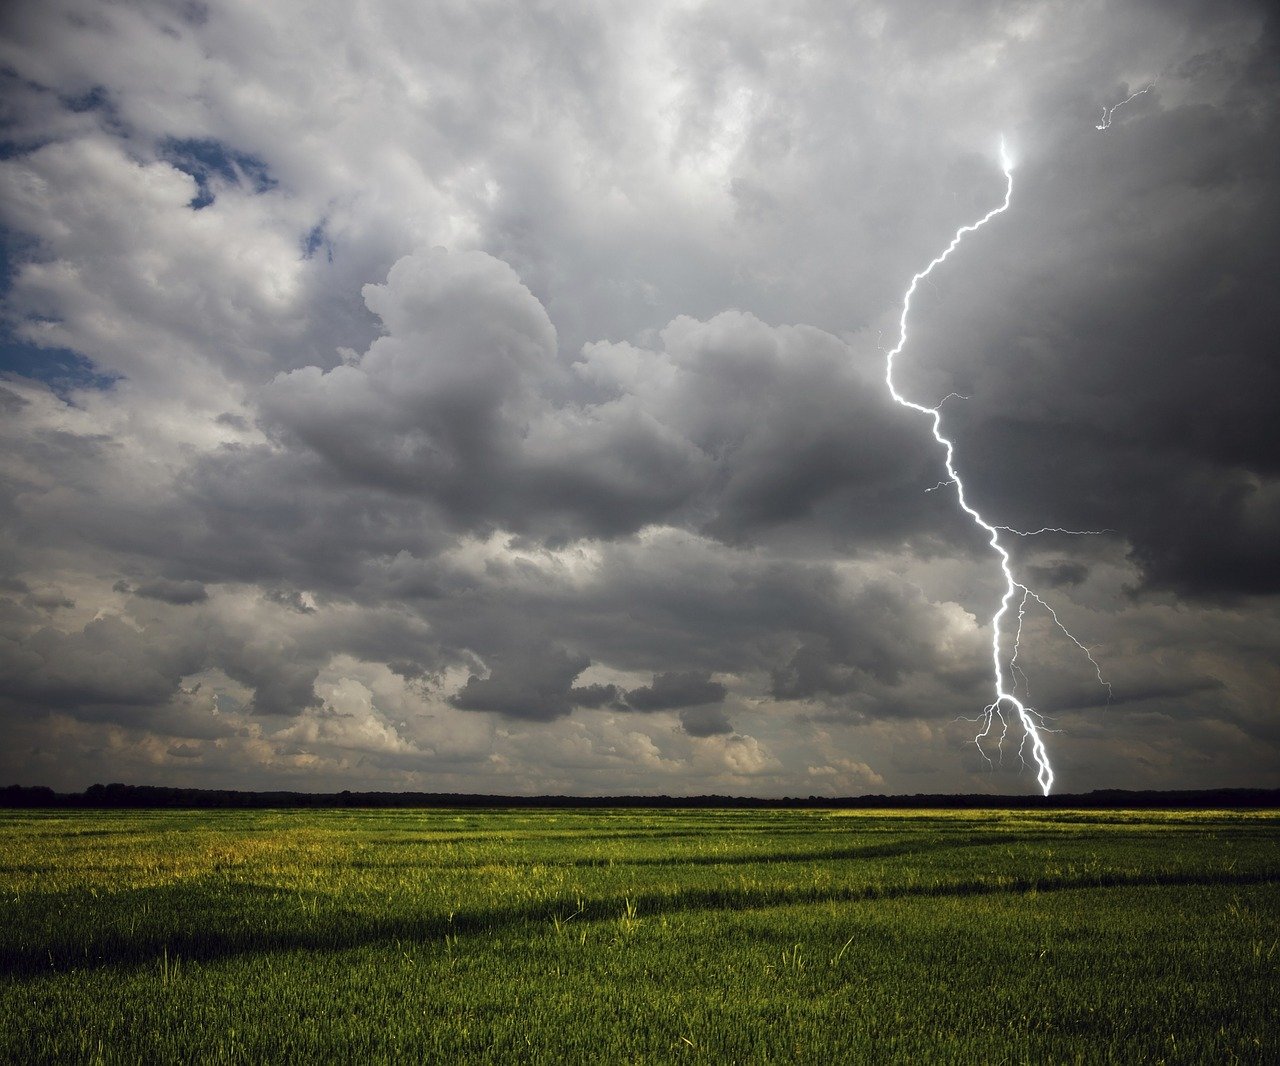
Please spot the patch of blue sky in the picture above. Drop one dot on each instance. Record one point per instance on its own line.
(210, 161)
(316, 240)
(61, 369)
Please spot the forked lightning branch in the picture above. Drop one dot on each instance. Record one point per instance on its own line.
(1007, 708)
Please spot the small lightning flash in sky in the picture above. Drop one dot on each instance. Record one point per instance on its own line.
(1108, 112)
(1006, 701)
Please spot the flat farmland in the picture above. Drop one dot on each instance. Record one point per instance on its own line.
(600, 936)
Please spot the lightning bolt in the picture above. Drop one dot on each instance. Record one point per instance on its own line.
(1031, 722)
(1108, 112)
(1054, 529)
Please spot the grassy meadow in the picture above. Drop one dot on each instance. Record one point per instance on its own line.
(639, 936)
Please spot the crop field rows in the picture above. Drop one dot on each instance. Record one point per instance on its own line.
(639, 936)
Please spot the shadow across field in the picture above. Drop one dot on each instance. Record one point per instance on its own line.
(890, 850)
(916, 845)
(696, 832)
(205, 922)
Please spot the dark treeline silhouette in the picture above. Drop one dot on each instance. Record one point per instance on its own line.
(159, 796)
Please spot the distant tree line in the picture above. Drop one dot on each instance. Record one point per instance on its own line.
(160, 797)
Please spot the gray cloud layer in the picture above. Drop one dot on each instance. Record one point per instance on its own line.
(527, 429)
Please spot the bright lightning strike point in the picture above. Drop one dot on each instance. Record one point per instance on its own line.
(1031, 722)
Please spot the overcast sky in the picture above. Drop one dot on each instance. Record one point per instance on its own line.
(477, 396)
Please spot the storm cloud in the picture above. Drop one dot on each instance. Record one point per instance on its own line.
(491, 397)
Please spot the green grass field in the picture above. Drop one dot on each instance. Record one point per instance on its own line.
(639, 936)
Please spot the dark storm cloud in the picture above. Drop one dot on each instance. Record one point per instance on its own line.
(705, 722)
(409, 670)
(110, 669)
(533, 683)
(1058, 574)
(1147, 337)
(789, 420)
(290, 598)
(886, 634)
(105, 664)
(596, 696)
(180, 593)
(675, 601)
(676, 690)
(452, 404)
(457, 405)
(260, 514)
(50, 601)
(633, 423)
(825, 638)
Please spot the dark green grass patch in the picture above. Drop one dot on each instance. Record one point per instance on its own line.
(638, 936)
